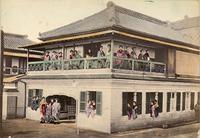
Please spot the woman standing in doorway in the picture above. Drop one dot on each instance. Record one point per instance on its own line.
(134, 110)
(43, 105)
(129, 111)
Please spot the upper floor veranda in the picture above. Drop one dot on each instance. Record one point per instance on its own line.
(114, 55)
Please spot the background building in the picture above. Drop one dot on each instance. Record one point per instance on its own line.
(15, 66)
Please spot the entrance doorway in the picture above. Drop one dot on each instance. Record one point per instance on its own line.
(11, 107)
(68, 106)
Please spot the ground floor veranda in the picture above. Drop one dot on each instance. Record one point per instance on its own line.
(176, 101)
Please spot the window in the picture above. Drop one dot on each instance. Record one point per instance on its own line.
(173, 101)
(129, 97)
(168, 101)
(151, 96)
(34, 93)
(192, 101)
(91, 95)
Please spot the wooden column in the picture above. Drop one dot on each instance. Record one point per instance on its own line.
(143, 103)
(1, 76)
(175, 97)
(63, 54)
(164, 102)
(181, 102)
(27, 60)
(111, 54)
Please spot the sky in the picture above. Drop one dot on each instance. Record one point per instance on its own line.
(30, 17)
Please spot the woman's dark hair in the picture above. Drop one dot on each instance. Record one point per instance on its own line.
(120, 46)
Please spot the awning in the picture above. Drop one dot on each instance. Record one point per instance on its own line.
(12, 79)
(6, 53)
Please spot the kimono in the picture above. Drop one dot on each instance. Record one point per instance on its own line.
(56, 110)
(129, 112)
(156, 110)
(42, 110)
(101, 62)
(134, 111)
(93, 107)
(153, 111)
(48, 113)
(88, 110)
(34, 104)
(119, 62)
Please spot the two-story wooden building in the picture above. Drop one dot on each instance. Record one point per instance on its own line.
(15, 66)
(143, 59)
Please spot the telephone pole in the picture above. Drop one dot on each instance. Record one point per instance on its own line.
(1, 77)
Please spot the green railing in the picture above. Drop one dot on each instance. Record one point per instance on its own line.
(138, 65)
(71, 64)
(98, 63)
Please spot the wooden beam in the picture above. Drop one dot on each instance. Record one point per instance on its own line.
(156, 41)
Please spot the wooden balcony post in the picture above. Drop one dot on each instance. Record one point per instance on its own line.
(111, 54)
(27, 59)
(63, 55)
(150, 66)
(133, 64)
(43, 66)
(85, 63)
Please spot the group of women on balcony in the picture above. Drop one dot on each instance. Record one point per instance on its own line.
(125, 56)
(53, 55)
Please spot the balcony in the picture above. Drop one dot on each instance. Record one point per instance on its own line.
(98, 64)
(14, 70)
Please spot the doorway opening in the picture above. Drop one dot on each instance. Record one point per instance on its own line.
(68, 106)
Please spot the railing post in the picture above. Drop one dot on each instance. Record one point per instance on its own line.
(151, 66)
(63, 57)
(85, 63)
(43, 65)
(62, 62)
(133, 64)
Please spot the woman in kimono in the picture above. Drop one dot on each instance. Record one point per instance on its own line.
(48, 113)
(120, 54)
(101, 62)
(93, 106)
(42, 110)
(89, 63)
(156, 108)
(134, 110)
(150, 109)
(129, 111)
(88, 108)
(56, 110)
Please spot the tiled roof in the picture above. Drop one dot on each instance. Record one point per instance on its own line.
(13, 41)
(189, 27)
(115, 15)
(186, 23)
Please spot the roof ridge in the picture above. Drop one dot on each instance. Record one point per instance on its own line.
(17, 35)
(72, 23)
(139, 15)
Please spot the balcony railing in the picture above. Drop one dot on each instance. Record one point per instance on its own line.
(98, 63)
(138, 65)
(14, 70)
